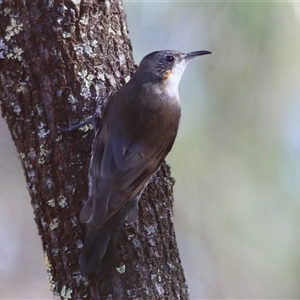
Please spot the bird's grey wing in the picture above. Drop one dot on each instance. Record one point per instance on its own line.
(118, 174)
(94, 188)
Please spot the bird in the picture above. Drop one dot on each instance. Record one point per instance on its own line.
(137, 130)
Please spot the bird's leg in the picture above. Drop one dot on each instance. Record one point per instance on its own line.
(94, 120)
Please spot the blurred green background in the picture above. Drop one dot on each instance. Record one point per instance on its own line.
(236, 160)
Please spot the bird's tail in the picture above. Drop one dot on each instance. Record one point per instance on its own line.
(100, 244)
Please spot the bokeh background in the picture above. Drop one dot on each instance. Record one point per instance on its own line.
(236, 159)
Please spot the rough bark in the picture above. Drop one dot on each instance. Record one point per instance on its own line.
(59, 60)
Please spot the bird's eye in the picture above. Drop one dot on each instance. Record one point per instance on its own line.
(169, 58)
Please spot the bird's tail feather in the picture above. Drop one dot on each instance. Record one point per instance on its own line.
(100, 244)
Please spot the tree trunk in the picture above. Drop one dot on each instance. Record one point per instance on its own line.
(59, 61)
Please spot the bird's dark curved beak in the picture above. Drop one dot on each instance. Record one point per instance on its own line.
(193, 54)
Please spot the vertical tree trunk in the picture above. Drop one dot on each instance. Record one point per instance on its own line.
(59, 60)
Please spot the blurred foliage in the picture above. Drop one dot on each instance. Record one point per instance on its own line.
(237, 156)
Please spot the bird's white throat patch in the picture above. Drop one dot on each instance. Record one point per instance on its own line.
(171, 83)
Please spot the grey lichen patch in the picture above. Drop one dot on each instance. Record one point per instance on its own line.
(150, 230)
(159, 289)
(132, 294)
(17, 109)
(44, 223)
(94, 43)
(55, 251)
(111, 31)
(62, 9)
(151, 242)
(31, 173)
(41, 160)
(62, 201)
(51, 202)
(59, 93)
(13, 28)
(6, 10)
(127, 78)
(3, 49)
(171, 266)
(74, 221)
(79, 48)
(86, 77)
(22, 156)
(15, 53)
(169, 182)
(83, 49)
(21, 89)
(32, 153)
(119, 32)
(42, 132)
(107, 6)
(66, 293)
(76, 2)
(136, 243)
(131, 237)
(39, 109)
(111, 80)
(84, 20)
(48, 183)
(43, 151)
(72, 99)
(86, 127)
(79, 244)
(31, 187)
(54, 224)
(121, 269)
(66, 34)
(72, 27)
(100, 76)
(59, 138)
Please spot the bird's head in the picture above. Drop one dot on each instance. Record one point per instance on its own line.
(165, 68)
